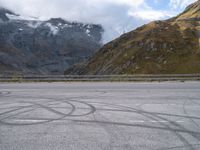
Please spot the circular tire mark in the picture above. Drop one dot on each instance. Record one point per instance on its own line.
(15, 116)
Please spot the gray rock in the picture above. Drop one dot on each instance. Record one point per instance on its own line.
(45, 47)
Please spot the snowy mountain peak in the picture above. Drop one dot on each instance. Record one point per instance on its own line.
(29, 45)
(3, 14)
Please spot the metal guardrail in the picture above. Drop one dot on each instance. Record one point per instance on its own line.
(65, 78)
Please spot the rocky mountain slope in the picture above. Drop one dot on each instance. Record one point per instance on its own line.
(160, 47)
(31, 46)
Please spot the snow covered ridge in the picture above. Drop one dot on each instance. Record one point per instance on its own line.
(34, 24)
(45, 46)
(54, 24)
(54, 29)
(18, 17)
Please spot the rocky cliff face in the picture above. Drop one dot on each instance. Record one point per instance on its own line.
(31, 46)
(160, 47)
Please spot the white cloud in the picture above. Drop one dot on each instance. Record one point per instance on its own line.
(71, 9)
(151, 14)
(126, 2)
(112, 14)
(116, 16)
(180, 4)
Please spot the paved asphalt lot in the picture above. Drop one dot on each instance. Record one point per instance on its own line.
(100, 116)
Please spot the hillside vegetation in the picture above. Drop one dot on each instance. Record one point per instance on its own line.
(160, 47)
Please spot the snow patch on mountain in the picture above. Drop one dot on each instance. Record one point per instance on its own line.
(88, 26)
(88, 32)
(54, 29)
(67, 26)
(34, 24)
(18, 17)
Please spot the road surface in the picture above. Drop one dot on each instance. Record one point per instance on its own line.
(100, 116)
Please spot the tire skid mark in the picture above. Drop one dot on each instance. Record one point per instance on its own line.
(47, 105)
(182, 138)
(105, 123)
(114, 134)
(175, 131)
(134, 111)
(186, 113)
(177, 134)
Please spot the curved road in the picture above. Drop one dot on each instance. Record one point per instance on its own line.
(100, 116)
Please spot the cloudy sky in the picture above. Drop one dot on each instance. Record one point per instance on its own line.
(116, 16)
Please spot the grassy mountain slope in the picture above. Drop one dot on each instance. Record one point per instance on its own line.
(160, 47)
